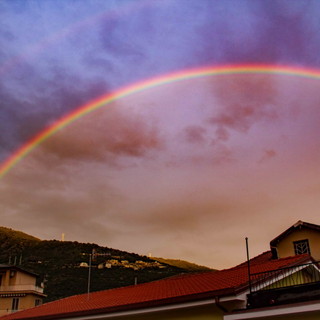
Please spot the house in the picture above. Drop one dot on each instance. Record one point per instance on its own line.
(295, 291)
(301, 238)
(286, 287)
(18, 290)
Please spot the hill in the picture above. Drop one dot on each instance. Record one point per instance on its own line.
(185, 265)
(63, 266)
(10, 234)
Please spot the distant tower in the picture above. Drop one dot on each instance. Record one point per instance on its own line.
(62, 237)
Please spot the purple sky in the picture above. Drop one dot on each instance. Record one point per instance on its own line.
(184, 170)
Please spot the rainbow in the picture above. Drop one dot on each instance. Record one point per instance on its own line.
(145, 85)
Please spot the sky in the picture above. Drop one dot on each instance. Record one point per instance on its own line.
(185, 169)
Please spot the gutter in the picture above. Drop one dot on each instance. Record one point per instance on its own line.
(208, 298)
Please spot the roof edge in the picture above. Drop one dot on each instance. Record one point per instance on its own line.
(296, 226)
(142, 305)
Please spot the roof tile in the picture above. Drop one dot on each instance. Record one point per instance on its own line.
(178, 288)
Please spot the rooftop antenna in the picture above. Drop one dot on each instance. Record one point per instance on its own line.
(248, 264)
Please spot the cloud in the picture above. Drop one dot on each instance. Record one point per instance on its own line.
(41, 103)
(105, 135)
(280, 32)
(195, 134)
(107, 176)
(222, 133)
(243, 101)
(68, 197)
(267, 155)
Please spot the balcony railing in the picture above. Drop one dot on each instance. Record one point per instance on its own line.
(286, 285)
(21, 287)
(286, 277)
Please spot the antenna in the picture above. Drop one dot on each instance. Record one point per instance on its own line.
(92, 257)
(248, 263)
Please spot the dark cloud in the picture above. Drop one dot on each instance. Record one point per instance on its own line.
(105, 135)
(23, 116)
(278, 32)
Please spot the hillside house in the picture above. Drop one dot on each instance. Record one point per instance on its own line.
(265, 288)
(18, 290)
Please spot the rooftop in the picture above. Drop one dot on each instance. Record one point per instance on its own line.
(297, 226)
(183, 288)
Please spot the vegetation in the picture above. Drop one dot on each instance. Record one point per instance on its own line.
(182, 264)
(58, 264)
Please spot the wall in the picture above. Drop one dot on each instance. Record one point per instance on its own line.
(23, 278)
(285, 247)
(195, 313)
(301, 316)
(19, 278)
(24, 303)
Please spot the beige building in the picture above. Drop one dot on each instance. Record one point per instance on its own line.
(301, 238)
(18, 290)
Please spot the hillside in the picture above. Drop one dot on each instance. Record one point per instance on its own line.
(185, 265)
(10, 234)
(63, 266)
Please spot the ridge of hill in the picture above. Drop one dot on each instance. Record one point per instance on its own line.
(183, 264)
(8, 233)
(63, 265)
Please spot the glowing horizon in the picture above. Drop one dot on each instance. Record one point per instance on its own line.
(139, 86)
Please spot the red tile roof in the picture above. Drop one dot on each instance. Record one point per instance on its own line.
(183, 288)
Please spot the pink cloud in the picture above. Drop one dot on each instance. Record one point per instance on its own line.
(195, 134)
(243, 101)
(105, 134)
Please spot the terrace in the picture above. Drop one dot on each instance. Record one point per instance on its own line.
(286, 285)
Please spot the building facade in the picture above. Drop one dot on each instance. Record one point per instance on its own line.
(301, 238)
(18, 290)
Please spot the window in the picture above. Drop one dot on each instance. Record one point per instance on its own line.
(38, 302)
(15, 304)
(301, 247)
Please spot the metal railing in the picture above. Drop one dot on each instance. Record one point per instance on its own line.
(285, 277)
(21, 287)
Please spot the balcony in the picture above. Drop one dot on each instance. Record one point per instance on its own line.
(20, 287)
(286, 285)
